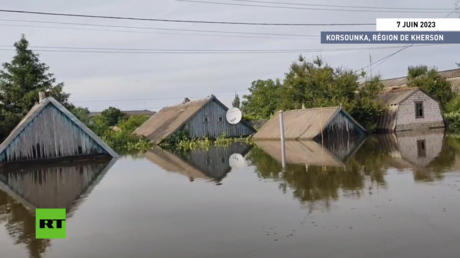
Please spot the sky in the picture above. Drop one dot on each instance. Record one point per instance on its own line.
(133, 81)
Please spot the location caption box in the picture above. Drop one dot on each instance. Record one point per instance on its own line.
(414, 24)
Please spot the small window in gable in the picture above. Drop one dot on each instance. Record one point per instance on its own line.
(221, 119)
(205, 119)
(419, 110)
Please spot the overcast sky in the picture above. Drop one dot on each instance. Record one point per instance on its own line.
(93, 76)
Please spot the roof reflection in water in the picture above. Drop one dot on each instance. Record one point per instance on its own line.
(211, 165)
(56, 186)
(314, 173)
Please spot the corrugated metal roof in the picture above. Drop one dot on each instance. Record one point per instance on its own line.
(301, 152)
(395, 96)
(386, 122)
(170, 119)
(300, 124)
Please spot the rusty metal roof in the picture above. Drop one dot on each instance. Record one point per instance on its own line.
(300, 124)
(395, 96)
(453, 76)
(301, 152)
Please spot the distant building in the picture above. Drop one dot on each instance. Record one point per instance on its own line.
(49, 132)
(452, 76)
(212, 165)
(312, 124)
(197, 119)
(128, 112)
(409, 109)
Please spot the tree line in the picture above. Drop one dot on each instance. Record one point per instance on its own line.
(307, 83)
(313, 83)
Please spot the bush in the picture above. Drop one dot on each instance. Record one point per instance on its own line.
(453, 122)
(123, 140)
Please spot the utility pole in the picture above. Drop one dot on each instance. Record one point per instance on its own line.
(370, 64)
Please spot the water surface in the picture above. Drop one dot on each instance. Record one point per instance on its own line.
(387, 196)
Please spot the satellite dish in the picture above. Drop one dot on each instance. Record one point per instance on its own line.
(236, 161)
(234, 116)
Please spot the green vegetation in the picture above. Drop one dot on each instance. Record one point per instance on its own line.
(121, 137)
(315, 84)
(181, 142)
(306, 84)
(25, 76)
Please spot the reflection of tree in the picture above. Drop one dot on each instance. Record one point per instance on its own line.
(20, 224)
(313, 184)
(441, 164)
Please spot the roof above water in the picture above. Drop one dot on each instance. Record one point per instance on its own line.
(300, 124)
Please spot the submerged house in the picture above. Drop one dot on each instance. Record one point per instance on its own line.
(57, 185)
(212, 165)
(312, 124)
(49, 132)
(409, 109)
(195, 119)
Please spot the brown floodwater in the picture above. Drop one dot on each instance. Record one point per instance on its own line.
(392, 196)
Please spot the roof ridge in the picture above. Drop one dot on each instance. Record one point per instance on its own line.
(315, 108)
(402, 89)
(190, 102)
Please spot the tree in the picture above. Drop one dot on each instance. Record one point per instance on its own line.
(236, 101)
(432, 82)
(262, 101)
(313, 84)
(113, 116)
(132, 123)
(20, 82)
(81, 113)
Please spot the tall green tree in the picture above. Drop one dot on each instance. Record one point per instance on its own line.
(113, 116)
(81, 113)
(236, 101)
(432, 82)
(20, 82)
(316, 84)
(262, 101)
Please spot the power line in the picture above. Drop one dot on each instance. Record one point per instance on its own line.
(309, 8)
(182, 21)
(191, 51)
(152, 99)
(341, 6)
(386, 58)
(149, 30)
(166, 33)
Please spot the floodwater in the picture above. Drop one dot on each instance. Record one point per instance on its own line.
(392, 196)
